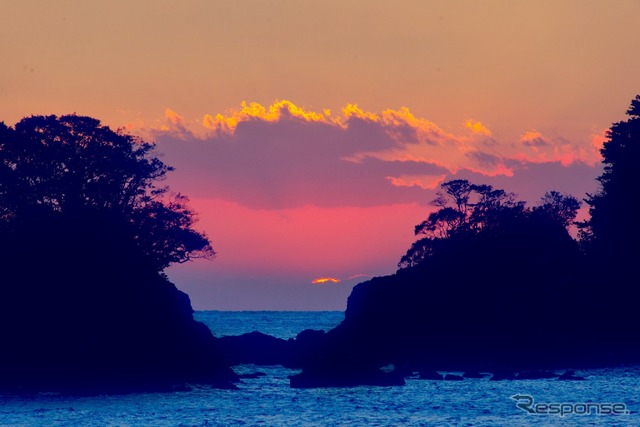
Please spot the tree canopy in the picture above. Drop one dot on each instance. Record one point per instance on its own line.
(612, 232)
(467, 209)
(73, 166)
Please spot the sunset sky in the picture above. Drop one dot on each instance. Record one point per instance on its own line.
(311, 135)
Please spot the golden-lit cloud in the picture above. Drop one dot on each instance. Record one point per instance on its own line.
(401, 123)
(477, 128)
(255, 111)
(284, 155)
(352, 110)
(323, 280)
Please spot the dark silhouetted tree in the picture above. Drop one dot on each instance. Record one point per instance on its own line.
(74, 166)
(610, 237)
(464, 208)
(612, 233)
(562, 208)
(467, 209)
(494, 283)
(85, 232)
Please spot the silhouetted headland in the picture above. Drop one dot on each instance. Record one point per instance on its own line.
(495, 286)
(262, 349)
(84, 237)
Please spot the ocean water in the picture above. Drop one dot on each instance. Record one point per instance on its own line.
(268, 400)
(280, 324)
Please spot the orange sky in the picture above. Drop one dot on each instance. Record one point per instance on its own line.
(515, 94)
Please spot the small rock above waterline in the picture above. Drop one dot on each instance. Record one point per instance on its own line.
(502, 376)
(453, 377)
(251, 375)
(570, 375)
(474, 374)
(341, 377)
(536, 375)
(430, 375)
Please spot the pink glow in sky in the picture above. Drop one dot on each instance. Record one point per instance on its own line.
(354, 112)
(299, 195)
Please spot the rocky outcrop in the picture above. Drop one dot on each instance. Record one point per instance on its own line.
(502, 376)
(474, 374)
(256, 348)
(82, 311)
(500, 301)
(453, 377)
(570, 375)
(344, 376)
(430, 375)
(261, 349)
(536, 375)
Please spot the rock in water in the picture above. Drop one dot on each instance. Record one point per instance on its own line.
(453, 377)
(430, 375)
(340, 377)
(570, 375)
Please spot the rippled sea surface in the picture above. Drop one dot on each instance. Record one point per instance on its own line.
(269, 401)
(280, 324)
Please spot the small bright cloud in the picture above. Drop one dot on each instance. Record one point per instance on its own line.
(534, 139)
(477, 128)
(322, 280)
